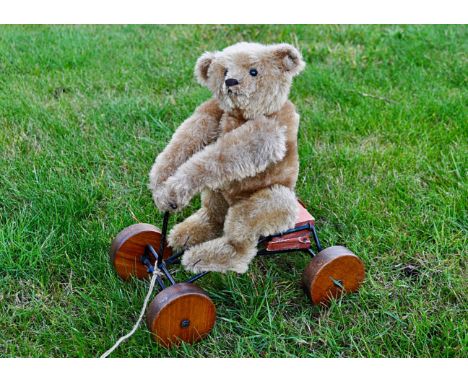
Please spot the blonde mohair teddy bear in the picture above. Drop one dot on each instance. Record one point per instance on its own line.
(239, 150)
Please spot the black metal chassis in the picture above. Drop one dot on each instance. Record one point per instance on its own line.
(164, 264)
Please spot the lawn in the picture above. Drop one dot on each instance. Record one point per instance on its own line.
(384, 152)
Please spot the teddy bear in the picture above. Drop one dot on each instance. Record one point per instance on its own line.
(239, 150)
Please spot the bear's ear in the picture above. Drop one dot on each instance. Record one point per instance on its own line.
(289, 58)
(202, 66)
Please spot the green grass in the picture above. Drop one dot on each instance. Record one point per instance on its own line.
(384, 154)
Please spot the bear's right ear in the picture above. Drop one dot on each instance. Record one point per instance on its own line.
(202, 66)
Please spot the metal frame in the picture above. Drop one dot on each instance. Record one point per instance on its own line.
(162, 264)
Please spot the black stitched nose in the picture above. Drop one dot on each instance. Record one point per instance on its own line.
(231, 82)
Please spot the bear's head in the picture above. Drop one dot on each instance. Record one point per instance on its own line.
(251, 78)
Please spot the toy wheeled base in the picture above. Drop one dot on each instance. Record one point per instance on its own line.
(183, 312)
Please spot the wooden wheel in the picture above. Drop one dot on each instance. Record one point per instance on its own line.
(129, 246)
(181, 313)
(335, 270)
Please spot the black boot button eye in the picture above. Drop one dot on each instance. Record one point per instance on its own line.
(253, 72)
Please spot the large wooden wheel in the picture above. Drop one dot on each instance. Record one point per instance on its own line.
(129, 246)
(335, 270)
(181, 313)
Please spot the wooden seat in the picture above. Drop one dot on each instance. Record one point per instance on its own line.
(303, 216)
(293, 239)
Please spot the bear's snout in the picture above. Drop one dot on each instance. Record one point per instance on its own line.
(231, 82)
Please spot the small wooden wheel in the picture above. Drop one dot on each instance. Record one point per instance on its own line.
(181, 313)
(335, 270)
(129, 246)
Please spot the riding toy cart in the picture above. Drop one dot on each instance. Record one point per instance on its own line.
(183, 312)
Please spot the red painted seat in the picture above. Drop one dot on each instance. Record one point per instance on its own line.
(297, 239)
(303, 216)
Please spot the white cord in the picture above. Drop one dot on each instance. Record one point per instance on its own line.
(156, 273)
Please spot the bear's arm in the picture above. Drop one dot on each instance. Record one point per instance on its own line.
(196, 132)
(239, 154)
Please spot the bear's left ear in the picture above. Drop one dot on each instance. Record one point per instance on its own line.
(288, 58)
(202, 66)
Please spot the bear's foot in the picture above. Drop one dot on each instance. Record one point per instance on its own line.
(193, 230)
(218, 255)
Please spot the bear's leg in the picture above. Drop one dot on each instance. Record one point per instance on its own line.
(264, 213)
(205, 224)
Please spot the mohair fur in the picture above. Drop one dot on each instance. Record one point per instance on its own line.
(239, 150)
